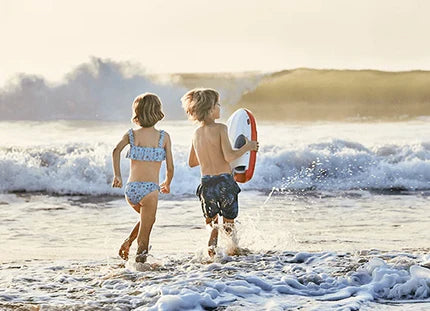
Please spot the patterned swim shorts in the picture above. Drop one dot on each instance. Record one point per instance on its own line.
(218, 195)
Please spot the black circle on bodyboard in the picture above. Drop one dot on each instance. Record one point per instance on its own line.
(240, 141)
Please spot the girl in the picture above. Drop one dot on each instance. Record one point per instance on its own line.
(148, 148)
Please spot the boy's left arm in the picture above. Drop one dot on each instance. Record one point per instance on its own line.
(231, 154)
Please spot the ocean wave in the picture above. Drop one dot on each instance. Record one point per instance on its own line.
(97, 90)
(330, 165)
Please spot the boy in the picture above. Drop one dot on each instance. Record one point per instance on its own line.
(211, 149)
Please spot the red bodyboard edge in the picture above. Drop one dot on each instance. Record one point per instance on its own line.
(247, 175)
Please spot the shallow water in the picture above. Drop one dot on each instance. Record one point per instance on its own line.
(39, 226)
(314, 251)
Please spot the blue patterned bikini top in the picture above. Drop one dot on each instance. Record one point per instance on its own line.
(152, 154)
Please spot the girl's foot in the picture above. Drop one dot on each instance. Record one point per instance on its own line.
(142, 256)
(124, 249)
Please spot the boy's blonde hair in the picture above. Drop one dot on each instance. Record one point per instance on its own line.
(147, 110)
(198, 103)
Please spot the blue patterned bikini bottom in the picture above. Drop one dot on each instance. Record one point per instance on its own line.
(137, 190)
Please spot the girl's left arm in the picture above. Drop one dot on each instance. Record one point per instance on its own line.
(165, 185)
(116, 156)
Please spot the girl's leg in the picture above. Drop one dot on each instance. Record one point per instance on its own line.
(148, 209)
(125, 247)
(213, 239)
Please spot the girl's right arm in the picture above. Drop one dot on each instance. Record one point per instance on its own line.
(116, 153)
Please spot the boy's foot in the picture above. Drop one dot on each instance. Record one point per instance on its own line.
(234, 251)
(142, 256)
(238, 251)
(124, 250)
(211, 251)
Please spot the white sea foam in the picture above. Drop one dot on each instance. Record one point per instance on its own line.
(74, 157)
(317, 281)
(332, 165)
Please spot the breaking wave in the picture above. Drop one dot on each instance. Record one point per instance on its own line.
(331, 165)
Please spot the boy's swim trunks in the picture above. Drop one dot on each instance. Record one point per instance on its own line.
(218, 195)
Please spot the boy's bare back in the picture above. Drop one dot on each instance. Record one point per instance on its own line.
(208, 141)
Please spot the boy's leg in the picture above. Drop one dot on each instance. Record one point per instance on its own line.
(228, 226)
(213, 239)
(148, 209)
(229, 207)
(230, 230)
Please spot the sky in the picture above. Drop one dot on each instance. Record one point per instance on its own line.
(51, 37)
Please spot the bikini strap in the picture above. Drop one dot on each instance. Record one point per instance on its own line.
(131, 137)
(160, 143)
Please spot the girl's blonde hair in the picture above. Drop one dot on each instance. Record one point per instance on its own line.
(147, 110)
(198, 103)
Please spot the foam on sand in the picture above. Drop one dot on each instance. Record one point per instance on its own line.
(328, 281)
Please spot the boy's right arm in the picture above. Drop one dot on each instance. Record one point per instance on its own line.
(231, 154)
(192, 159)
(116, 153)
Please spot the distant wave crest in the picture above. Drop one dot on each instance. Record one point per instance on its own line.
(103, 89)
